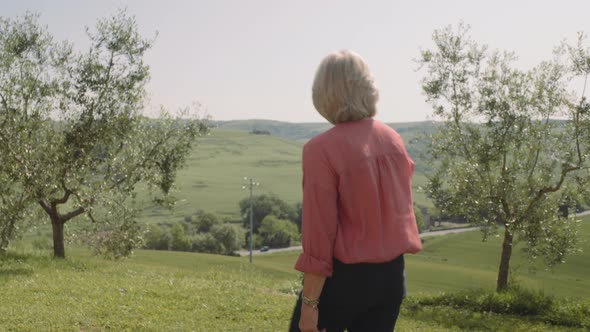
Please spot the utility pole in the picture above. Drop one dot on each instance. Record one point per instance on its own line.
(250, 185)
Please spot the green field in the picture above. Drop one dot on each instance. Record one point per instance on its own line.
(460, 261)
(214, 176)
(155, 291)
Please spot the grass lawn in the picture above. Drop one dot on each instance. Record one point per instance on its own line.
(156, 291)
(153, 292)
(461, 261)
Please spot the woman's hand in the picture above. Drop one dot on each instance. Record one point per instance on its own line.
(309, 319)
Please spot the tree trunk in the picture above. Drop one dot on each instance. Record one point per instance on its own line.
(58, 239)
(505, 261)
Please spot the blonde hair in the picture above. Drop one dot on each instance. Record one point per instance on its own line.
(343, 89)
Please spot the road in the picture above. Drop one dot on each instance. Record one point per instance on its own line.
(428, 234)
(422, 235)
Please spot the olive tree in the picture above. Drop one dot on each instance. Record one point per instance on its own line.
(511, 145)
(73, 141)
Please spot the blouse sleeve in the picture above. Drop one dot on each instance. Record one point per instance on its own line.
(320, 213)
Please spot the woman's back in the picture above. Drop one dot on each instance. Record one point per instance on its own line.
(365, 167)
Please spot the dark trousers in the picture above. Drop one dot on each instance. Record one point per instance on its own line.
(360, 297)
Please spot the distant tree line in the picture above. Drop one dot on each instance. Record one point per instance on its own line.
(276, 224)
(201, 232)
(260, 132)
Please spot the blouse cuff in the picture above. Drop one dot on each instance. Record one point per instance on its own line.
(310, 264)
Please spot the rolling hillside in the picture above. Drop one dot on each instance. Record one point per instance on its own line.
(214, 176)
(301, 132)
(305, 131)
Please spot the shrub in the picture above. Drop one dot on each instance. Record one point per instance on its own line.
(157, 238)
(228, 236)
(205, 222)
(206, 243)
(277, 233)
(419, 218)
(180, 242)
(514, 301)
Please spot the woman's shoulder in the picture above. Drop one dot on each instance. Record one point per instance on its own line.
(322, 139)
(347, 132)
(386, 130)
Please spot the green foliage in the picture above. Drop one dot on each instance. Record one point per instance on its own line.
(158, 238)
(120, 241)
(207, 243)
(514, 301)
(441, 318)
(205, 233)
(205, 221)
(277, 233)
(500, 157)
(117, 235)
(180, 242)
(419, 218)
(72, 139)
(264, 205)
(298, 215)
(229, 236)
(24, 50)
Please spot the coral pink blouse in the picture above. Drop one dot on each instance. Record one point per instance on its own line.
(357, 197)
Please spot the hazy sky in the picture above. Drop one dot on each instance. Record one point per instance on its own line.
(256, 59)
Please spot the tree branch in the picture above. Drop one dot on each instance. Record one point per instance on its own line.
(45, 205)
(72, 214)
(577, 122)
(91, 216)
(551, 189)
(66, 196)
(506, 209)
(145, 160)
(538, 152)
(4, 102)
(62, 200)
(555, 188)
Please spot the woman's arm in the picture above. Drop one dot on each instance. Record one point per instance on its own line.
(312, 288)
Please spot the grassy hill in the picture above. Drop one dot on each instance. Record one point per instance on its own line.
(156, 291)
(301, 132)
(292, 131)
(305, 131)
(460, 261)
(214, 176)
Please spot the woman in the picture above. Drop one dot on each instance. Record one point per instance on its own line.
(358, 217)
